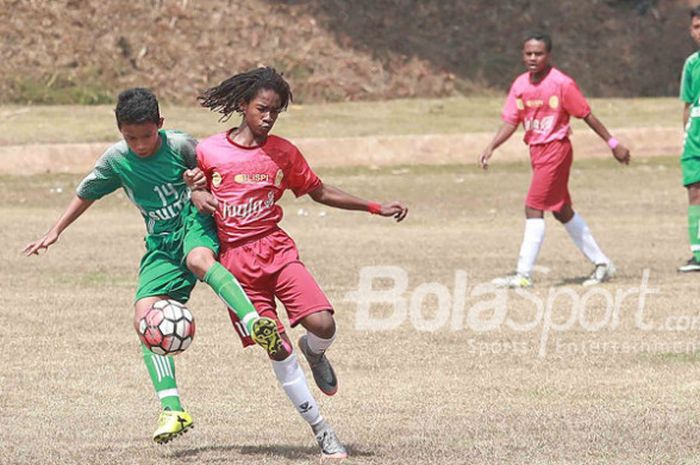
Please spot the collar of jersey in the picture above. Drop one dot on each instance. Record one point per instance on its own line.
(232, 142)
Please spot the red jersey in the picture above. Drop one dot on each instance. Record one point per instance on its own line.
(544, 108)
(248, 182)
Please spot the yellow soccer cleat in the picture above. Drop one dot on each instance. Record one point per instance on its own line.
(513, 281)
(266, 335)
(171, 424)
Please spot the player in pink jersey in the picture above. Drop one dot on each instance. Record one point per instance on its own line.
(543, 99)
(247, 171)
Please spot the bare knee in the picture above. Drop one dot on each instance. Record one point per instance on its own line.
(322, 324)
(199, 260)
(565, 214)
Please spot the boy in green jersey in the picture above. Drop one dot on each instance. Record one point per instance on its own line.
(690, 159)
(181, 244)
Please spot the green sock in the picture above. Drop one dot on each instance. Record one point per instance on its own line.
(693, 222)
(161, 369)
(229, 290)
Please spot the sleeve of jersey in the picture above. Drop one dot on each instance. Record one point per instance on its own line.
(201, 163)
(686, 85)
(102, 180)
(300, 177)
(510, 113)
(574, 102)
(188, 148)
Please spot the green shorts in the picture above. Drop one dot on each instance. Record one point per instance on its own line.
(690, 167)
(163, 270)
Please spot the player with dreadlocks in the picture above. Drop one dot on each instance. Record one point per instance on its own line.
(247, 170)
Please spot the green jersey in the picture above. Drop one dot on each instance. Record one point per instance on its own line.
(690, 94)
(154, 184)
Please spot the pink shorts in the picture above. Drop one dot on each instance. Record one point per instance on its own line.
(551, 163)
(269, 267)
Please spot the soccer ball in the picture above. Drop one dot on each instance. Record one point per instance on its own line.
(167, 328)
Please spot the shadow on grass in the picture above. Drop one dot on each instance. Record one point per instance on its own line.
(576, 281)
(281, 450)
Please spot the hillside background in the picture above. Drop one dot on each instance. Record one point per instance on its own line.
(84, 51)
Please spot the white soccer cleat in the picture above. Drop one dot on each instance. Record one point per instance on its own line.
(331, 447)
(603, 272)
(689, 266)
(514, 281)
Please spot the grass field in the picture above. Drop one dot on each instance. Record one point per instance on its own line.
(73, 388)
(70, 123)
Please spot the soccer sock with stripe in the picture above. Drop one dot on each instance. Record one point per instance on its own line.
(693, 223)
(530, 248)
(229, 290)
(582, 237)
(161, 369)
(291, 377)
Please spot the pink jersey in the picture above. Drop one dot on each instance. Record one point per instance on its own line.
(248, 182)
(544, 108)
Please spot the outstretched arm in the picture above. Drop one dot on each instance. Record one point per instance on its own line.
(75, 208)
(620, 152)
(334, 197)
(503, 134)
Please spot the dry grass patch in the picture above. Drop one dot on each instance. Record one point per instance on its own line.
(73, 388)
(74, 123)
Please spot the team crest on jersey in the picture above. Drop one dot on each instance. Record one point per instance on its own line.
(553, 102)
(278, 178)
(519, 103)
(216, 179)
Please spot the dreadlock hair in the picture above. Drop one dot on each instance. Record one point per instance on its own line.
(137, 106)
(227, 97)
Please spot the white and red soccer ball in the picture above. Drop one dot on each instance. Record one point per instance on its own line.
(167, 328)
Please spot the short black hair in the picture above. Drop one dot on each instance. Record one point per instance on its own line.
(540, 37)
(137, 106)
(695, 12)
(226, 98)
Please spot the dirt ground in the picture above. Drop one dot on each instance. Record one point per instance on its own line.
(68, 51)
(461, 374)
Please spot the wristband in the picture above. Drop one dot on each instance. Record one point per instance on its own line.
(374, 208)
(613, 143)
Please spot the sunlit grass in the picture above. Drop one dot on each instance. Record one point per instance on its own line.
(73, 123)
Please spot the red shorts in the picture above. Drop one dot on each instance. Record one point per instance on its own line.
(551, 163)
(269, 267)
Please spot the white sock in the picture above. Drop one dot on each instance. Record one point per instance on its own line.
(293, 381)
(582, 237)
(530, 248)
(318, 345)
